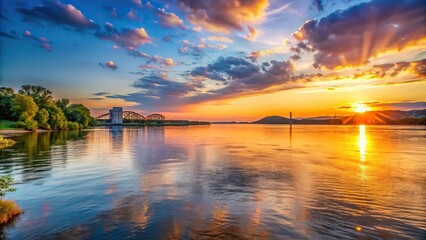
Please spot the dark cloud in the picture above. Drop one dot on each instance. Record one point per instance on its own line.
(238, 76)
(101, 93)
(417, 68)
(401, 105)
(58, 13)
(353, 36)
(96, 98)
(318, 4)
(226, 69)
(126, 38)
(223, 15)
(11, 35)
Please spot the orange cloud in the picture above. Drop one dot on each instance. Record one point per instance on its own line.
(252, 33)
(223, 15)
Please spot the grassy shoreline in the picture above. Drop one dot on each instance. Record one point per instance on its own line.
(8, 211)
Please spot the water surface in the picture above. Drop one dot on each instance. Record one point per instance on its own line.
(220, 181)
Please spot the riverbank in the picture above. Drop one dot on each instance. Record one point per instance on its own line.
(158, 123)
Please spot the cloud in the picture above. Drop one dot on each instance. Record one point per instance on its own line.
(318, 4)
(401, 105)
(253, 56)
(252, 33)
(109, 64)
(168, 38)
(136, 53)
(58, 13)
(132, 15)
(126, 38)
(237, 76)
(226, 69)
(223, 15)
(220, 39)
(169, 20)
(417, 68)
(197, 49)
(40, 41)
(101, 93)
(11, 35)
(353, 36)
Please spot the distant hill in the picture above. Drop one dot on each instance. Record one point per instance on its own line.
(273, 120)
(284, 120)
(412, 117)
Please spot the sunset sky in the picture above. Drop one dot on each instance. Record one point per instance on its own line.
(219, 60)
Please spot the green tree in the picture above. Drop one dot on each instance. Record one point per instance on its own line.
(6, 97)
(41, 95)
(6, 183)
(24, 107)
(57, 119)
(63, 104)
(78, 113)
(42, 118)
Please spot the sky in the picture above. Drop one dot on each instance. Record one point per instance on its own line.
(219, 60)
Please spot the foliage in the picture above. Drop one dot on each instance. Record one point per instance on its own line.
(4, 142)
(34, 107)
(42, 118)
(62, 104)
(6, 183)
(24, 109)
(73, 125)
(41, 95)
(57, 119)
(78, 113)
(6, 97)
(8, 210)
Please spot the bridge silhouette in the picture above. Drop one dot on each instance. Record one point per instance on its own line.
(129, 115)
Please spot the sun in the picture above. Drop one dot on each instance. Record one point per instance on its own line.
(361, 108)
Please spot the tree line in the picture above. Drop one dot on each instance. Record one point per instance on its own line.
(33, 107)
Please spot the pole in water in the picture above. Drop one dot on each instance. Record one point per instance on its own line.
(291, 119)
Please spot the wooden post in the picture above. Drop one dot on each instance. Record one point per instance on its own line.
(291, 119)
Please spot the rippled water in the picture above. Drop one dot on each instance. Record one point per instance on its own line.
(219, 182)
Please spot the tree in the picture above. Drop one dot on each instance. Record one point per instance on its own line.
(41, 95)
(6, 97)
(24, 107)
(6, 183)
(62, 104)
(78, 113)
(57, 119)
(42, 118)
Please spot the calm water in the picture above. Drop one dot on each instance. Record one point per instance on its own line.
(220, 182)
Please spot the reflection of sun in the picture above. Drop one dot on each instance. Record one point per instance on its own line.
(361, 108)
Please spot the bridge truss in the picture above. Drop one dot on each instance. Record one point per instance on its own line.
(129, 115)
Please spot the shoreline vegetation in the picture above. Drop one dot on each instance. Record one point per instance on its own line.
(8, 208)
(5, 142)
(33, 108)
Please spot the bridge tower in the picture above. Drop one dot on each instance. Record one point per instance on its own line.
(116, 114)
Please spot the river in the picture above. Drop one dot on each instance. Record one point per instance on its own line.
(220, 182)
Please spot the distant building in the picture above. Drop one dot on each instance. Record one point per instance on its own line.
(116, 114)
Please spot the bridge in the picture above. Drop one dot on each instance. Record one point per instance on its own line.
(117, 115)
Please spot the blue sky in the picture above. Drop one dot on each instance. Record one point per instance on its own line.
(192, 58)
